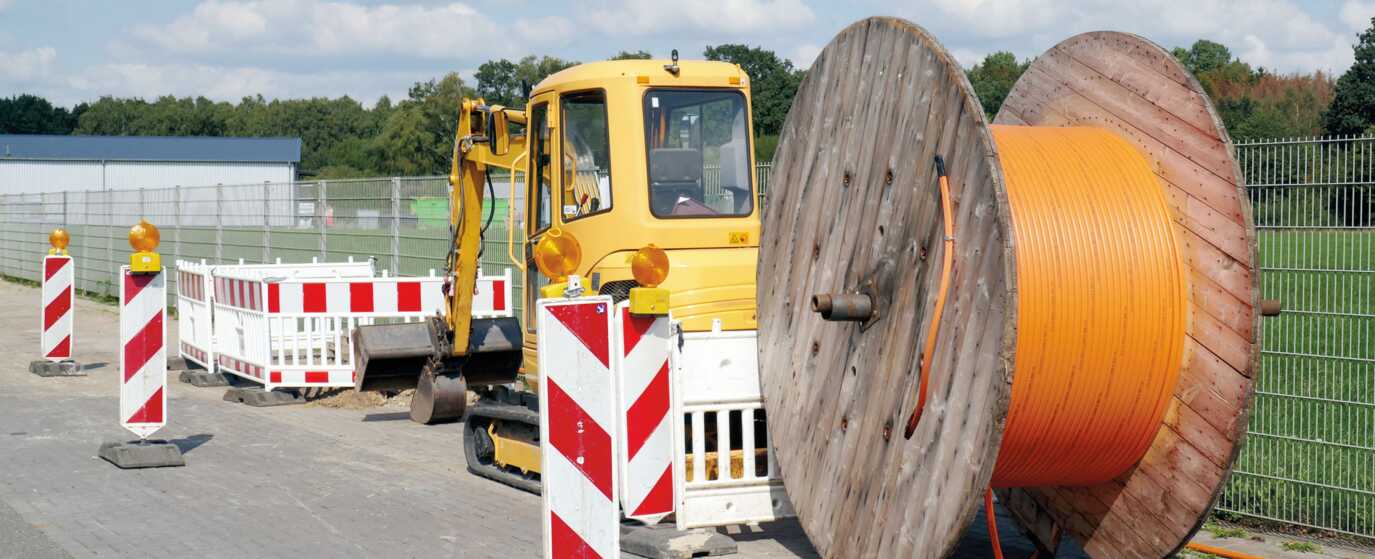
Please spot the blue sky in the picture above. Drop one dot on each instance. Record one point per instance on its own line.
(75, 50)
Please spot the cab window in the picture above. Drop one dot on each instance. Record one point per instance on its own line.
(539, 123)
(699, 160)
(586, 155)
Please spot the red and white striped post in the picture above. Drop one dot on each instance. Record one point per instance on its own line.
(143, 355)
(59, 297)
(646, 451)
(56, 319)
(580, 516)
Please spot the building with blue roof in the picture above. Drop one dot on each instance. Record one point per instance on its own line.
(45, 163)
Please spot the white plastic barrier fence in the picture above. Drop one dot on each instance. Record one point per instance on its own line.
(688, 418)
(717, 397)
(193, 313)
(492, 295)
(296, 332)
(195, 294)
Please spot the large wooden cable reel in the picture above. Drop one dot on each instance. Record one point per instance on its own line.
(854, 210)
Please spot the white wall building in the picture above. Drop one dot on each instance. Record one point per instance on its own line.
(40, 163)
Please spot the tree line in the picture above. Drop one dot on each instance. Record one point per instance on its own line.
(341, 137)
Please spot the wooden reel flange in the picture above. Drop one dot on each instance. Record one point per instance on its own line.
(853, 209)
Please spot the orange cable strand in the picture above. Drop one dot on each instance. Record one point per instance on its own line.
(1102, 306)
(947, 263)
(1219, 551)
(992, 520)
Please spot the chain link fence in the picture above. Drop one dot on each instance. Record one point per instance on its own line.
(402, 222)
(1310, 456)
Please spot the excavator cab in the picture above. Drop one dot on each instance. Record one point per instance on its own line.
(617, 156)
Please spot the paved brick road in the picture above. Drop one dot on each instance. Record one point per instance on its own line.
(273, 482)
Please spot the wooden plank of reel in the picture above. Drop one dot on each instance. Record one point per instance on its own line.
(855, 209)
(1133, 87)
(854, 216)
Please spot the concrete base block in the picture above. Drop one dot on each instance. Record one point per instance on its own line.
(177, 363)
(56, 369)
(260, 398)
(202, 378)
(142, 454)
(664, 541)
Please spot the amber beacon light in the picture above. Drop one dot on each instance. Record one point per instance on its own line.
(59, 239)
(557, 255)
(649, 265)
(144, 238)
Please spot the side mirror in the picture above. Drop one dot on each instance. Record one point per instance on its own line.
(498, 132)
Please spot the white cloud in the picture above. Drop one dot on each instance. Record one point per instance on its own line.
(803, 55)
(321, 27)
(1356, 14)
(646, 17)
(223, 83)
(1277, 34)
(27, 66)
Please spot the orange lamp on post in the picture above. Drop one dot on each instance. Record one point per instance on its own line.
(144, 239)
(650, 267)
(557, 255)
(59, 239)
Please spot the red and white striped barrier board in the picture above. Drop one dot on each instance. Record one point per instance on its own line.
(580, 516)
(193, 313)
(59, 296)
(295, 333)
(142, 356)
(196, 290)
(401, 295)
(645, 455)
(492, 296)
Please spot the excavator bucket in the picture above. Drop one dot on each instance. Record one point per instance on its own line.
(395, 356)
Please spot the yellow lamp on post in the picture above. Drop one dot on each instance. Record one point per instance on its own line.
(557, 255)
(144, 239)
(650, 267)
(59, 239)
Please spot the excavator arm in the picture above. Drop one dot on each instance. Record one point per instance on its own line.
(483, 140)
(442, 356)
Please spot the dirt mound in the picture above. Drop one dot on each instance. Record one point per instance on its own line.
(348, 398)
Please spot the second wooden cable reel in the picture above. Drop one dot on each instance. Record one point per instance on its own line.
(1094, 355)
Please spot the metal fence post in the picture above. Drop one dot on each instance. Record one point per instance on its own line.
(110, 261)
(396, 226)
(176, 223)
(267, 222)
(219, 223)
(85, 241)
(320, 198)
(5, 233)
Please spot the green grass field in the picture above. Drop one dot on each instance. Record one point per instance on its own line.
(1310, 455)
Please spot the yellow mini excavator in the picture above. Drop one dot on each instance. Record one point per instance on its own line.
(618, 157)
